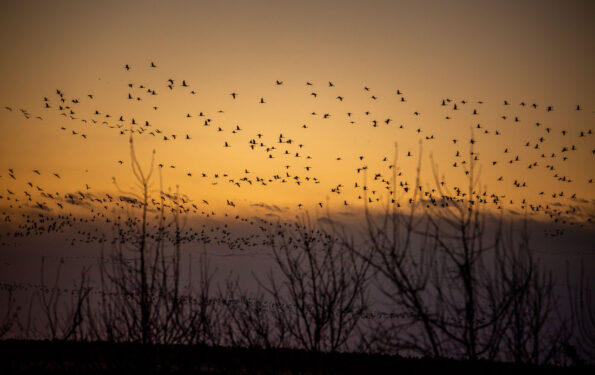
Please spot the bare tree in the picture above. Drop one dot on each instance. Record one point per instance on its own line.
(10, 315)
(321, 286)
(582, 310)
(398, 249)
(458, 288)
(200, 321)
(471, 282)
(63, 320)
(252, 321)
(143, 180)
(141, 293)
(533, 330)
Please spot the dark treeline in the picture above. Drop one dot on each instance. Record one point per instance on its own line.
(459, 282)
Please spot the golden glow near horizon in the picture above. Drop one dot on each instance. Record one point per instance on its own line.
(472, 55)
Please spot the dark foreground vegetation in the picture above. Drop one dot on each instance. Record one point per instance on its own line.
(55, 357)
(463, 289)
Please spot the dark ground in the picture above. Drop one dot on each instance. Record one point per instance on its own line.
(33, 357)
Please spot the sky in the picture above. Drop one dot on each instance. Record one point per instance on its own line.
(396, 60)
(463, 51)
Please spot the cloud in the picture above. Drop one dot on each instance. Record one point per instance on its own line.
(126, 199)
(273, 207)
(76, 199)
(42, 206)
(326, 220)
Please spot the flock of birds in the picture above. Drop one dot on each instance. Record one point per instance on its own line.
(34, 210)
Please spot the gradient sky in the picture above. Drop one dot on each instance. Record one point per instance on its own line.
(532, 52)
(519, 51)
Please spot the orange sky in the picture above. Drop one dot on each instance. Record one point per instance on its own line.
(473, 51)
